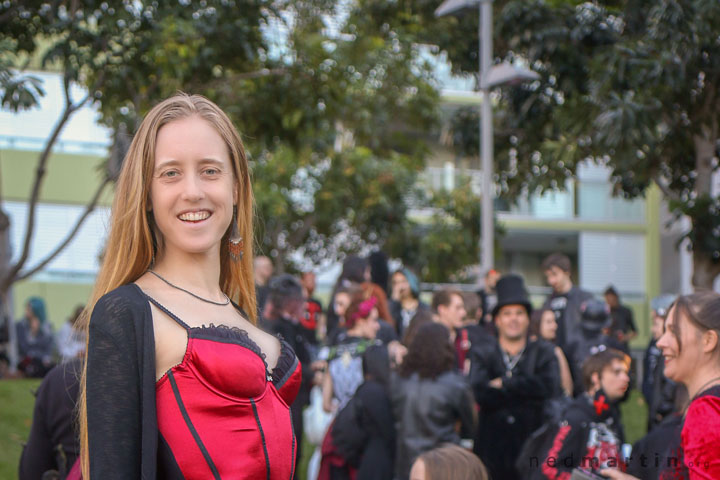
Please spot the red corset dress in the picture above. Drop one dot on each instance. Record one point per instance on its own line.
(221, 414)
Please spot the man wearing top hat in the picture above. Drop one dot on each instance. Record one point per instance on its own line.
(511, 379)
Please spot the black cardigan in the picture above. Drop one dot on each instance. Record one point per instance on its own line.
(122, 424)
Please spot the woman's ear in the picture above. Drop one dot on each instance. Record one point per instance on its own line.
(710, 341)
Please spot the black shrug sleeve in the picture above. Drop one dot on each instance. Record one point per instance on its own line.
(114, 395)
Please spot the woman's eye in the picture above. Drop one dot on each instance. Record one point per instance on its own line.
(170, 173)
(212, 171)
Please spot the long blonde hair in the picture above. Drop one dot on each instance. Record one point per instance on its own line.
(132, 244)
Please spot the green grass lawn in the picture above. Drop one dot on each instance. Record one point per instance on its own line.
(634, 417)
(16, 408)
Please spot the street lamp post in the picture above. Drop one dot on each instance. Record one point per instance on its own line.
(489, 77)
(487, 227)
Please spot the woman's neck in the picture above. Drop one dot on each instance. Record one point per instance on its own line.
(706, 376)
(198, 273)
(409, 303)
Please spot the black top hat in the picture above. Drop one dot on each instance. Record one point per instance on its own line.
(511, 291)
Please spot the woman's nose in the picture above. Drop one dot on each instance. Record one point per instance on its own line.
(192, 188)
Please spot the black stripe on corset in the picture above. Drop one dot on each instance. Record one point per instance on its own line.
(292, 452)
(191, 427)
(262, 436)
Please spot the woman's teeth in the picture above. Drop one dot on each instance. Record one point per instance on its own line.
(194, 216)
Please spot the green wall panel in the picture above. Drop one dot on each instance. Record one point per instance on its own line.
(60, 298)
(70, 178)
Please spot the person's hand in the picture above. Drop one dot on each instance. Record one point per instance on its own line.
(319, 365)
(616, 474)
(496, 382)
(396, 352)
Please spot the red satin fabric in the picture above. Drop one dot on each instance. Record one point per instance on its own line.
(240, 418)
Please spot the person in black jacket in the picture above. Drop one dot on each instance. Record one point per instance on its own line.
(595, 318)
(566, 298)
(429, 398)
(590, 434)
(511, 378)
(282, 314)
(658, 390)
(376, 420)
(53, 443)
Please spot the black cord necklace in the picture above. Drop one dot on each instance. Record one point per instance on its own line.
(220, 304)
(702, 389)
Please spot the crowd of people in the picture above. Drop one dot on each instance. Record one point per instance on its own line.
(199, 363)
(533, 393)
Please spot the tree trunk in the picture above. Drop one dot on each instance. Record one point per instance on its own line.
(705, 271)
(6, 310)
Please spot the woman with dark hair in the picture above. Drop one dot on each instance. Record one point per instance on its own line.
(344, 371)
(543, 325)
(356, 273)
(429, 398)
(405, 299)
(691, 347)
(421, 318)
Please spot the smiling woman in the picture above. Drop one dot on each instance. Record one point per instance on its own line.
(179, 382)
(690, 345)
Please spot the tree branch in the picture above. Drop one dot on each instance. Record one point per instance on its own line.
(40, 172)
(297, 235)
(88, 210)
(665, 188)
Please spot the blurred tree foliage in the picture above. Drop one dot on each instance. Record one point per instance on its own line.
(333, 99)
(632, 84)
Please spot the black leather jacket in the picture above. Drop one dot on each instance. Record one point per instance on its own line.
(426, 412)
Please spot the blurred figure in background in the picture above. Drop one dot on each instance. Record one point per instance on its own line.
(449, 309)
(429, 398)
(363, 433)
(35, 340)
(488, 299)
(379, 272)
(594, 321)
(70, 339)
(658, 390)
(448, 462)
(512, 379)
(53, 444)
(405, 299)
(356, 273)
(263, 270)
(622, 326)
(589, 436)
(313, 321)
(344, 372)
(565, 300)
(282, 314)
(543, 325)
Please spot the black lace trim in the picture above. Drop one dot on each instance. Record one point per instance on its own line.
(236, 334)
(285, 362)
